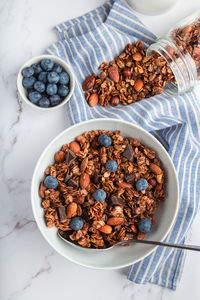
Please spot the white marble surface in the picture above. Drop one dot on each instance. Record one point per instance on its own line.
(29, 268)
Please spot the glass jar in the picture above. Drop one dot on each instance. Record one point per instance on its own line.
(181, 49)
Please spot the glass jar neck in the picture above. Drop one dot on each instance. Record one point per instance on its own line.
(181, 64)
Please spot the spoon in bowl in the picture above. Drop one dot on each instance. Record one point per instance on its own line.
(126, 243)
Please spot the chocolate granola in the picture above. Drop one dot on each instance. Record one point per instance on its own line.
(128, 78)
(80, 170)
(187, 40)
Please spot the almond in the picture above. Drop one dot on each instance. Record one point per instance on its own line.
(137, 56)
(115, 221)
(84, 164)
(114, 101)
(42, 190)
(134, 228)
(81, 139)
(141, 235)
(124, 185)
(75, 147)
(59, 156)
(93, 100)
(113, 73)
(79, 210)
(88, 83)
(84, 180)
(107, 229)
(155, 169)
(138, 85)
(71, 210)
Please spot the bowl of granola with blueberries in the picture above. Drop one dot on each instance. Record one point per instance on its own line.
(100, 182)
(45, 82)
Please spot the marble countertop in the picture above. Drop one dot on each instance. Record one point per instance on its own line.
(29, 268)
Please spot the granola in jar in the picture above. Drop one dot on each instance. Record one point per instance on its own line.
(181, 50)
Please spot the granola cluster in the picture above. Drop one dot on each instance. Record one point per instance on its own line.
(187, 39)
(128, 78)
(80, 170)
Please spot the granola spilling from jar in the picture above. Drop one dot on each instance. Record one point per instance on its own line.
(187, 39)
(128, 78)
(101, 189)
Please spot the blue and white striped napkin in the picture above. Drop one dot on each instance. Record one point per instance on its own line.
(85, 42)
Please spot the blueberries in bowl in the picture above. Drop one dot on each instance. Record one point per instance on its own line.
(55, 100)
(46, 82)
(44, 102)
(43, 77)
(111, 166)
(145, 225)
(51, 182)
(51, 89)
(53, 77)
(76, 223)
(37, 68)
(28, 82)
(99, 195)
(57, 68)
(34, 96)
(141, 184)
(27, 72)
(47, 64)
(39, 86)
(64, 78)
(105, 140)
(63, 90)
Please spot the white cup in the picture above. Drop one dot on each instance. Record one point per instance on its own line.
(152, 7)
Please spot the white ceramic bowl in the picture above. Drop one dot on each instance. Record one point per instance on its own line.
(36, 59)
(117, 257)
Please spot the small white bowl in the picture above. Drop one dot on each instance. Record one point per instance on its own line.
(37, 59)
(117, 257)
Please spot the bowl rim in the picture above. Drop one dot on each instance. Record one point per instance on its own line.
(36, 59)
(85, 249)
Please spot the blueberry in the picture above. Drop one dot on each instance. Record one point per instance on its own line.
(57, 68)
(55, 100)
(53, 77)
(28, 82)
(111, 166)
(141, 184)
(51, 89)
(145, 225)
(63, 90)
(76, 223)
(51, 182)
(64, 78)
(44, 102)
(105, 140)
(99, 195)
(43, 77)
(34, 96)
(27, 72)
(39, 86)
(37, 68)
(47, 64)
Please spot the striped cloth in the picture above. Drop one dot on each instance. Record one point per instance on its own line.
(100, 35)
